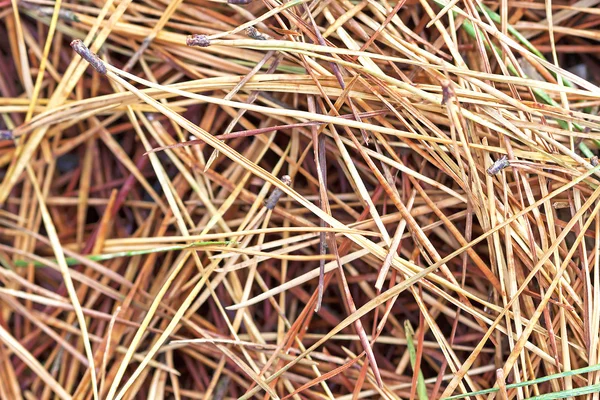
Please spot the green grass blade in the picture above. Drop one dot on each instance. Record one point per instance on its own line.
(412, 352)
(131, 253)
(584, 370)
(539, 94)
(565, 394)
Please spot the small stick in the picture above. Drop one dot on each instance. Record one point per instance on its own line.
(197, 40)
(253, 33)
(239, 1)
(6, 134)
(277, 193)
(498, 166)
(222, 387)
(67, 15)
(49, 11)
(85, 53)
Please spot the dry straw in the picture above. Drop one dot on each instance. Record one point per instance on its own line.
(443, 219)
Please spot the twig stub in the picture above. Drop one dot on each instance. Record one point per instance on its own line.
(85, 53)
(5, 134)
(498, 166)
(197, 40)
(277, 193)
(447, 92)
(253, 33)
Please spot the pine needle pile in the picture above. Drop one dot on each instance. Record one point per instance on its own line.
(307, 199)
